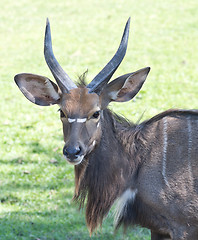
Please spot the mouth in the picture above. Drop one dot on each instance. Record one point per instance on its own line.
(75, 161)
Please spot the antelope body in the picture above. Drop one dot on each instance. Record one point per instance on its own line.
(149, 170)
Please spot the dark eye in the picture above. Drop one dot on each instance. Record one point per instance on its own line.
(62, 115)
(96, 114)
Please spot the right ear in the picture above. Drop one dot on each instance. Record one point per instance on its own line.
(125, 87)
(38, 89)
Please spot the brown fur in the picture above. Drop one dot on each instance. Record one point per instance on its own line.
(156, 159)
(79, 103)
(130, 156)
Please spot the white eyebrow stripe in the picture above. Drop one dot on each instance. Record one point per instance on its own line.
(78, 120)
(81, 120)
(71, 120)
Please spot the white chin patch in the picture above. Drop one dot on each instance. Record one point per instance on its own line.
(76, 161)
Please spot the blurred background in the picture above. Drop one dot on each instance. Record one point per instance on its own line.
(36, 184)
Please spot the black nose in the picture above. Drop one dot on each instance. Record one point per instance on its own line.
(72, 152)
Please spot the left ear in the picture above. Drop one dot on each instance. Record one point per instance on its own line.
(38, 89)
(125, 87)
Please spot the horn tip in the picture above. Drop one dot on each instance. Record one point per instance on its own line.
(47, 22)
(128, 22)
(47, 28)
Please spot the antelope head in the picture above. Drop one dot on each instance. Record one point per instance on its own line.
(81, 108)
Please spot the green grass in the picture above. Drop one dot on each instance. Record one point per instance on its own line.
(36, 184)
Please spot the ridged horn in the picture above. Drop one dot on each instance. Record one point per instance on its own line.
(61, 77)
(102, 78)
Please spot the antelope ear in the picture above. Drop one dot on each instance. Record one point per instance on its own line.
(38, 89)
(125, 87)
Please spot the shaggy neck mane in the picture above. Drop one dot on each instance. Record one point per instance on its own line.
(99, 180)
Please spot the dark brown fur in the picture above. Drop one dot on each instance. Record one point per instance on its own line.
(114, 166)
(100, 171)
(156, 160)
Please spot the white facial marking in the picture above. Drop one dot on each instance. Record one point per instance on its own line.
(71, 120)
(165, 144)
(120, 209)
(81, 120)
(78, 120)
(98, 124)
(77, 161)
